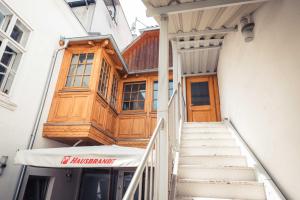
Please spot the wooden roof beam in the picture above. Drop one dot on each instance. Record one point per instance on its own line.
(203, 32)
(194, 6)
(199, 49)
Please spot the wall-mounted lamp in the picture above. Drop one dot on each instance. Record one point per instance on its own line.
(247, 28)
(3, 161)
(69, 175)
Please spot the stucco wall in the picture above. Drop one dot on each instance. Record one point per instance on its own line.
(260, 90)
(49, 20)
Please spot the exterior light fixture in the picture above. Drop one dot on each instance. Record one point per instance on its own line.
(3, 161)
(247, 28)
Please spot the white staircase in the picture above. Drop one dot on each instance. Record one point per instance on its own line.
(211, 166)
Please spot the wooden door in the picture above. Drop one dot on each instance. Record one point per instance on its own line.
(202, 99)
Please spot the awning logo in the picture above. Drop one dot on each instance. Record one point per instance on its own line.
(65, 160)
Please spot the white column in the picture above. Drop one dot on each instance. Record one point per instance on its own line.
(175, 86)
(162, 110)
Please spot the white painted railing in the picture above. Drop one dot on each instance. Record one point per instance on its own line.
(272, 191)
(144, 181)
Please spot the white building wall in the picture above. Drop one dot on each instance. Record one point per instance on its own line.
(103, 23)
(49, 20)
(260, 90)
(96, 18)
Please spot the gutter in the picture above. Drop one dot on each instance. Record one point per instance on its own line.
(102, 37)
(39, 115)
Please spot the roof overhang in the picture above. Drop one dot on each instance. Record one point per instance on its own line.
(96, 38)
(198, 27)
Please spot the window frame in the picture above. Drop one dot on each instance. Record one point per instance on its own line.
(10, 20)
(137, 82)
(83, 74)
(153, 90)
(107, 75)
(114, 92)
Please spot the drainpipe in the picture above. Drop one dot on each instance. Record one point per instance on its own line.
(40, 112)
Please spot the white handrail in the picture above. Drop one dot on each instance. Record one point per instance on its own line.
(137, 179)
(272, 190)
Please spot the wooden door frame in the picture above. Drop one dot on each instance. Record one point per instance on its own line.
(213, 93)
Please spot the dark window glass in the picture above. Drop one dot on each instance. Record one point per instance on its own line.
(126, 181)
(80, 70)
(134, 95)
(36, 188)
(16, 34)
(155, 93)
(200, 94)
(95, 185)
(103, 81)
(114, 92)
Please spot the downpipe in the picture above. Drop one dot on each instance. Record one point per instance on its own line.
(39, 113)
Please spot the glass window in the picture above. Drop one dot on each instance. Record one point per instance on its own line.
(134, 95)
(104, 76)
(155, 93)
(80, 70)
(200, 93)
(16, 33)
(126, 181)
(36, 187)
(95, 185)
(8, 69)
(114, 92)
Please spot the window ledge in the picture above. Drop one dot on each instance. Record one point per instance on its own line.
(6, 103)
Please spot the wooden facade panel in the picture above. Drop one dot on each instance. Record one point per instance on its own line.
(62, 108)
(132, 127)
(143, 52)
(79, 107)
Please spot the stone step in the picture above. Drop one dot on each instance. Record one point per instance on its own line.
(221, 189)
(210, 150)
(213, 161)
(207, 142)
(216, 173)
(206, 135)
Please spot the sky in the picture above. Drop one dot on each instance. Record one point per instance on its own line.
(136, 8)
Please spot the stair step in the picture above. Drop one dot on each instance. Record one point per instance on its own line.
(221, 189)
(206, 135)
(204, 124)
(204, 198)
(213, 161)
(216, 173)
(202, 142)
(205, 130)
(210, 150)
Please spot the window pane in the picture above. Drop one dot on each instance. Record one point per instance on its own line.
(8, 56)
(77, 82)
(69, 81)
(8, 83)
(135, 87)
(142, 95)
(82, 58)
(75, 58)
(2, 69)
(95, 186)
(16, 34)
(72, 70)
(126, 106)
(154, 105)
(127, 88)
(155, 85)
(1, 78)
(134, 96)
(80, 69)
(90, 58)
(126, 96)
(2, 16)
(85, 81)
(88, 69)
(36, 187)
(142, 86)
(200, 93)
